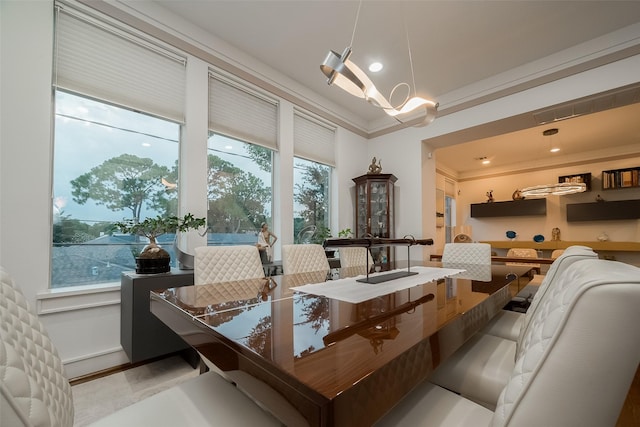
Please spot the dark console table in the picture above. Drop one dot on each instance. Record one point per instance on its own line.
(142, 335)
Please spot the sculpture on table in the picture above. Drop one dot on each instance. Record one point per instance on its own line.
(555, 234)
(375, 168)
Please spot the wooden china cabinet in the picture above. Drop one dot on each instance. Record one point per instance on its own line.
(374, 213)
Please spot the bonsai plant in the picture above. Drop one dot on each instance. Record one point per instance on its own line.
(154, 259)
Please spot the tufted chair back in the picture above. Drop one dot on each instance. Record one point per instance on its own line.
(523, 253)
(356, 257)
(570, 256)
(33, 388)
(303, 258)
(580, 353)
(467, 253)
(215, 264)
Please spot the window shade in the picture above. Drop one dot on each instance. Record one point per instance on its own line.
(104, 62)
(313, 139)
(238, 112)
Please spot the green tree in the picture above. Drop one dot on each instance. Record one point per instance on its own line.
(237, 198)
(124, 182)
(313, 194)
(261, 156)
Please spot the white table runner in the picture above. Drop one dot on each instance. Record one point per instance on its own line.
(354, 292)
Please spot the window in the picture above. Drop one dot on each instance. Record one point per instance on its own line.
(110, 163)
(311, 182)
(239, 191)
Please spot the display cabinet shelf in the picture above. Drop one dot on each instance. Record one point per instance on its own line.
(374, 213)
(621, 178)
(577, 178)
(524, 207)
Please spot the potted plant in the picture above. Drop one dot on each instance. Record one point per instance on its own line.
(345, 233)
(154, 259)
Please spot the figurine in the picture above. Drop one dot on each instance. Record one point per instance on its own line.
(489, 196)
(517, 195)
(375, 168)
(555, 234)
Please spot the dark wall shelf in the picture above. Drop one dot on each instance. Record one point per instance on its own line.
(526, 207)
(578, 177)
(604, 211)
(621, 178)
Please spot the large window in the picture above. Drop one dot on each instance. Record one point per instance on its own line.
(239, 191)
(110, 164)
(311, 209)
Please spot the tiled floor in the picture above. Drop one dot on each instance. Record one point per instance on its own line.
(100, 397)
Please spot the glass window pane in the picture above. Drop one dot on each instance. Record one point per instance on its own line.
(239, 190)
(110, 164)
(311, 207)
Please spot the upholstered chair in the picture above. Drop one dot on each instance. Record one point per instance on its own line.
(556, 253)
(303, 258)
(215, 264)
(355, 260)
(35, 393)
(474, 258)
(467, 253)
(574, 368)
(480, 369)
(523, 253)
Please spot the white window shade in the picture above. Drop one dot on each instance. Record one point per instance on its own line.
(98, 60)
(240, 113)
(313, 139)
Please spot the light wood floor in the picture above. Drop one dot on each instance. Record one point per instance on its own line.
(630, 415)
(98, 398)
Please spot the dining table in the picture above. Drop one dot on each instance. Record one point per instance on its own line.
(343, 352)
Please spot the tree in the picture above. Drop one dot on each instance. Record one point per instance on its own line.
(260, 155)
(313, 194)
(237, 199)
(124, 182)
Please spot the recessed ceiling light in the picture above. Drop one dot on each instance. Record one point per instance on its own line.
(554, 150)
(486, 162)
(375, 67)
(228, 147)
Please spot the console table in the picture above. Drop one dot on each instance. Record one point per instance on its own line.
(142, 335)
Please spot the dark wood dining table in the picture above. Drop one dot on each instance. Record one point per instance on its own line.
(337, 363)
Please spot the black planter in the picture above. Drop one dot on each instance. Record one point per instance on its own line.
(153, 265)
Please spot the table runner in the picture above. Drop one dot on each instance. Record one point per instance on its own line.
(354, 292)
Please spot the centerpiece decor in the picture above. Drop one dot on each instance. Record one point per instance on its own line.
(154, 259)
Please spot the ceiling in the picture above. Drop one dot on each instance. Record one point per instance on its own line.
(453, 44)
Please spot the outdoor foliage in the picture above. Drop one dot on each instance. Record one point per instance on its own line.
(237, 199)
(124, 182)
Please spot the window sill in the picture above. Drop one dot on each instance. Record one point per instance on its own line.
(73, 298)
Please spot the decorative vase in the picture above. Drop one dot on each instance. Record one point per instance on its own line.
(153, 265)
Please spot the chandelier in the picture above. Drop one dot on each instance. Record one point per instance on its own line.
(559, 189)
(342, 72)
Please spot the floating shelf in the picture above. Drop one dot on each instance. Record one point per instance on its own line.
(577, 178)
(621, 178)
(604, 211)
(526, 207)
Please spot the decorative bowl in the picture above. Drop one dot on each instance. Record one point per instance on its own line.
(538, 238)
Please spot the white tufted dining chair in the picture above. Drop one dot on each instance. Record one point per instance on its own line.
(467, 253)
(356, 257)
(568, 357)
(35, 393)
(303, 258)
(214, 264)
(481, 367)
